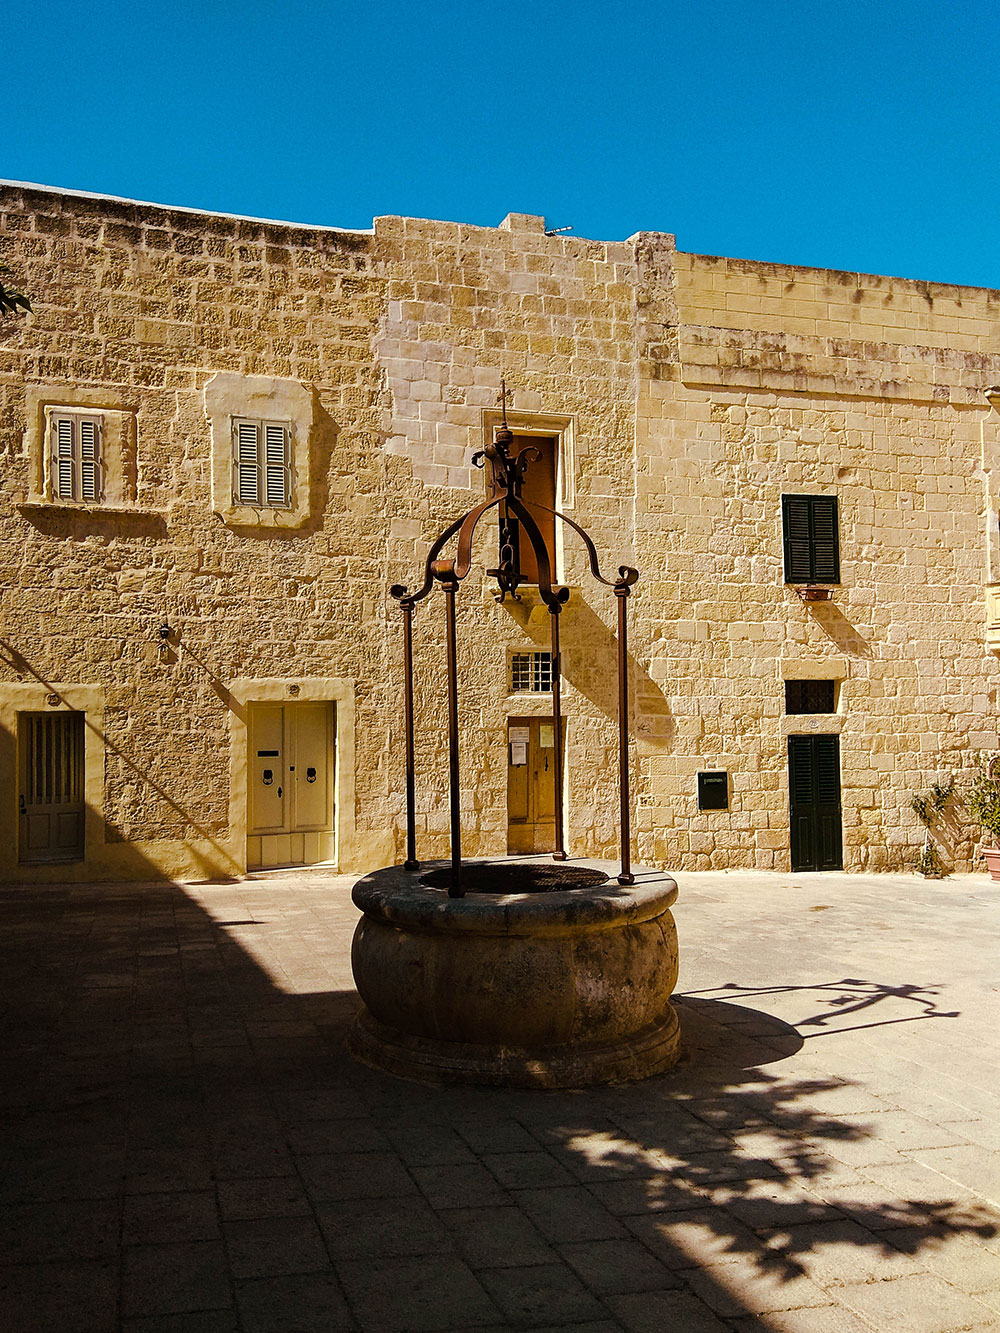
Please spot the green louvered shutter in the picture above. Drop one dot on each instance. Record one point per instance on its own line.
(825, 546)
(811, 542)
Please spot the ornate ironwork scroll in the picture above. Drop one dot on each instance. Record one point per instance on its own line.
(514, 518)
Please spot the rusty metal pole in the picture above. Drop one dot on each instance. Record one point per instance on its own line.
(626, 877)
(559, 852)
(455, 889)
(411, 862)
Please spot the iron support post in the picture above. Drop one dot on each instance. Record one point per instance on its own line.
(411, 862)
(559, 852)
(454, 796)
(626, 877)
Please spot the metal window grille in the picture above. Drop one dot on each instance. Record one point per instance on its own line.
(810, 696)
(531, 673)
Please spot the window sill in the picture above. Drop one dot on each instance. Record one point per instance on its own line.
(38, 506)
(247, 516)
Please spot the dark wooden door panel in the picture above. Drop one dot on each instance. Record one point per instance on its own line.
(814, 802)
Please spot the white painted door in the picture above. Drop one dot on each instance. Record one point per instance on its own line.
(291, 797)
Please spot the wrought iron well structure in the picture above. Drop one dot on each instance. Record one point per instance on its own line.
(508, 472)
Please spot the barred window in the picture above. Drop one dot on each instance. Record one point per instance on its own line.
(530, 673)
(810, 696)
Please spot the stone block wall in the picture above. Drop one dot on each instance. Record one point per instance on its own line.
(688, 393)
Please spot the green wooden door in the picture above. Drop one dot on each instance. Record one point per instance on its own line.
(814, 801)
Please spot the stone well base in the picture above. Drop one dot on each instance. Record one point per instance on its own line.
(559, 989)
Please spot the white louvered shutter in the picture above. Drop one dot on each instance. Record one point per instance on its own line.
(64, 460)
(89, 455)
(277, 466)
(246, 463)
(76, 458)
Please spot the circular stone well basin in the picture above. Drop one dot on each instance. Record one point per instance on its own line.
(550, 987)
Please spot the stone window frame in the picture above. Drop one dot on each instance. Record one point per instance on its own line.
(117, 450)
(837, 669)
(231, 397)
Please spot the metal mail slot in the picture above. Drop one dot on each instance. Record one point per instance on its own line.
(268, 754)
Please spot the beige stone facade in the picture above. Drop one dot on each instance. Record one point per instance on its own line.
(687, 395)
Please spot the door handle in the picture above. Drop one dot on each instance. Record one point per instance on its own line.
(279, 791)
(21, 802)
(546, 763)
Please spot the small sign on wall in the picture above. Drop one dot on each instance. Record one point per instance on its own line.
(713, 791)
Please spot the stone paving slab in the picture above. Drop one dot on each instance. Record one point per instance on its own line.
(188, 1149)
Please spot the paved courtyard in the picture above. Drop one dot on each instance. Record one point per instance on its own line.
(188, 1148)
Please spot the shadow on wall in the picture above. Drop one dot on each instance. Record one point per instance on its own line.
(839, 629)
(186, 1135)
(80, 524)
(108, 833)
(590, 665)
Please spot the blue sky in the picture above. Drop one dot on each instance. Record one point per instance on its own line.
(845, 135)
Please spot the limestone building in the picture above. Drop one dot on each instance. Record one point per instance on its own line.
(222, 439)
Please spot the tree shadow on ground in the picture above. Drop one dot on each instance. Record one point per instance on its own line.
(733, 1157)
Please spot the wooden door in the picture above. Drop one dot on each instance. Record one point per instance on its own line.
(51, 799)
(814, 802)
(531, 759)
(291, 775)
(539, 487)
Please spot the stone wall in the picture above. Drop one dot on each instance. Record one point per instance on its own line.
(688, 393)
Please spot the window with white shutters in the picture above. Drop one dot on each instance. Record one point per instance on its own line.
(262, 464)
(76, 457)
(811, 538)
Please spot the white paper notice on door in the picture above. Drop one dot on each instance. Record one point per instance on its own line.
(522, 735)
(518, 753)
(546, 737)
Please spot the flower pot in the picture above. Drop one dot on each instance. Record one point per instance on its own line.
(992, 857)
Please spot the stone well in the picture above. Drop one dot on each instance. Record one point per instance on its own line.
(563, 983)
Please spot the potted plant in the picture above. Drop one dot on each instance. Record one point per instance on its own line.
(983, 802)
